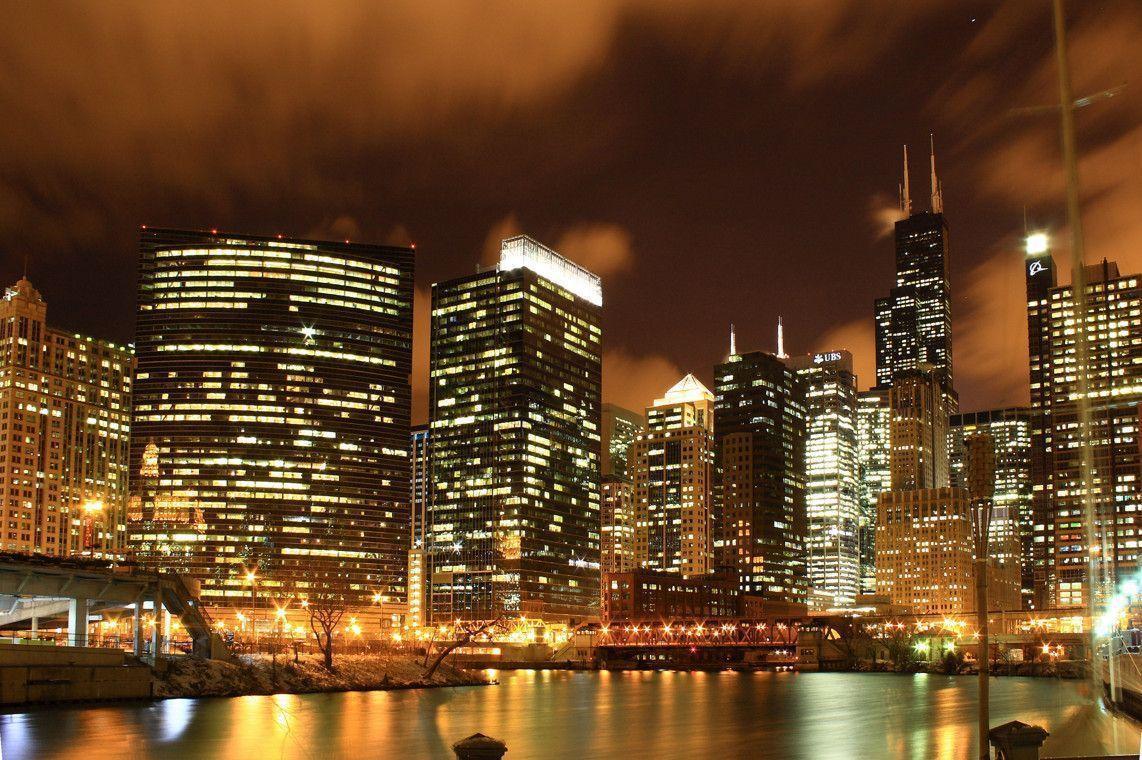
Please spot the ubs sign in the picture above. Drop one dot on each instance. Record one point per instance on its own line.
(832, 356)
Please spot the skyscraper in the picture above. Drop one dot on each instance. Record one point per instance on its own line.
(514, 411)
(1041, 280)
(620, 427)
(65, 408)
(831, 450)
(760, 434)
(1010, 537)
(1113, 332)
(874, 474)
(918, 438)
(421, 500)
(618, 525)
(271, 419)
(914, 322)
(673, 478)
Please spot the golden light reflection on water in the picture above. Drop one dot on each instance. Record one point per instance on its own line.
(552, 714)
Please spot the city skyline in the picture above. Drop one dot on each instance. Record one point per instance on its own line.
(807, 143)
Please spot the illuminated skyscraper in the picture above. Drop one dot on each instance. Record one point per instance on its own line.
(1041, 281)
(1114, 375)
(65, 408)
(760, 518)
(271, 419)
(831, 489)
(1010, 537)
(874, 475)
(514, 412)
(914, 323)
(672, 468)
(620, 427)
(421, 498)
(618, 525)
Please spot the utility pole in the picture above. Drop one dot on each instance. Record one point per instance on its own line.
(1094, 548)
(980, 467)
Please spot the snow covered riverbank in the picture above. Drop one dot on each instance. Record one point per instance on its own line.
(257, 674)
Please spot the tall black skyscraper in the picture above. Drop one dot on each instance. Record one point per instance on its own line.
(760, 520)
(271, 419)
(914, 323)
(1039, 269)
(514, 408)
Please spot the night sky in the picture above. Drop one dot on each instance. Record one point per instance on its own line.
(716, 161)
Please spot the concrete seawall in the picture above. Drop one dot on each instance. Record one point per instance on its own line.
(33, 673)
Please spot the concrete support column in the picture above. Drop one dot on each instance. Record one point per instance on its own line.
(137, 626)
(159, 645)
(77, 622)
(35, 625)
(166, 632)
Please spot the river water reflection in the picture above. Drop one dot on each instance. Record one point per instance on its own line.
(553, 714)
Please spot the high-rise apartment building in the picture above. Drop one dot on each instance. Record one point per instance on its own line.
(618, 525)
(673, 475)
(924, 547)
(271, 417)
(619, 430)
(65, 409)
(760, 436)
(832, 498)
(914, 322)
(420, 482)
(874, 423)
(918, 436)
(1113, 332)
(514, 408)
(1010, 544)
(924, 550)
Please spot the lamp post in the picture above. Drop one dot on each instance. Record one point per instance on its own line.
(980, 469)
(92, 509)
(252, 579)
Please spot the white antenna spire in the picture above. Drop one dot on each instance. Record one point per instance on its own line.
(937, 189)
(733, 341)
(906, 204)
(781, 340)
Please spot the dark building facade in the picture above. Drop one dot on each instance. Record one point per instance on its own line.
(663, 597)
(271, 416)
(760, 515)
(620, 428)
(1041, 279)
(914, 323)
(514, 408)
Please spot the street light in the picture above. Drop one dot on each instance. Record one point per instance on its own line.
(252, 579)
(92, 509)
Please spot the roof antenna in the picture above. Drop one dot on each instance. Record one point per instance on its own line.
(25, 266)
(733, 341)
(906, 204)
(937, 188)
(781, 339)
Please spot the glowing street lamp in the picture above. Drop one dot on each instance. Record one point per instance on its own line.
(92, 511)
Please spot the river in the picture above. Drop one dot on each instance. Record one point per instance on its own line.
(556, 714)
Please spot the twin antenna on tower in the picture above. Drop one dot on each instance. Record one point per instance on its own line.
(780, 340)
(937, 188)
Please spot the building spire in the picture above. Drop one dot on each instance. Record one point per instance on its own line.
(733, 341)
(781, 339)
(937, 189)
(906, 200)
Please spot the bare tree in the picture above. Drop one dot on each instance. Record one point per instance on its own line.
(327, 607)
(466, 630)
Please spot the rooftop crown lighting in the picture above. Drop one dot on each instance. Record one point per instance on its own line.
(523, 252)
(1037, 243)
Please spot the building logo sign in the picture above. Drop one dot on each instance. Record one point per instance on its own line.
(832, 356)
(1035, 268)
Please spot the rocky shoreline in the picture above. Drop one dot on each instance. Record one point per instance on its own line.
(259, 674)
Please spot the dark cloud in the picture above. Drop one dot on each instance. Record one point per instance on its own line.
(717, 161)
